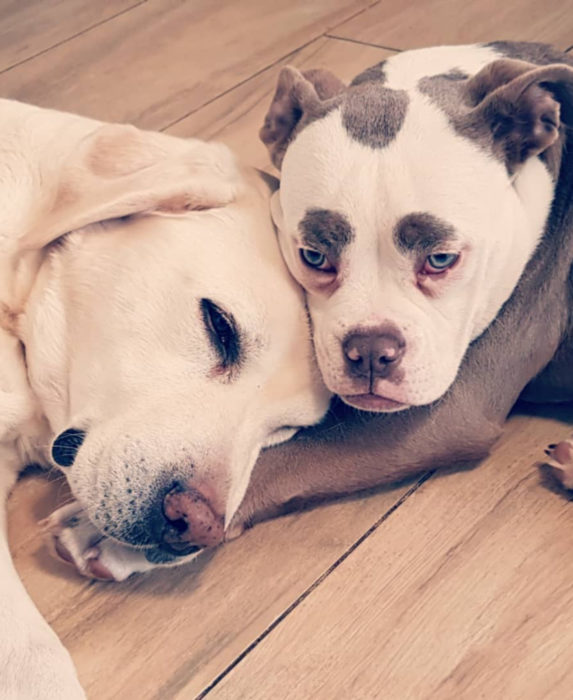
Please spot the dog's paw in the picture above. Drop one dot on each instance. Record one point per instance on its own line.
(561, 462)
(74, 539)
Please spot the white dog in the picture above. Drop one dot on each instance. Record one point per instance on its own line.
(151, 354)
(410, 203)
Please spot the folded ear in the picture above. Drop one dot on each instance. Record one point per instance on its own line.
(522, 107)
(118, 170)
(298, 99)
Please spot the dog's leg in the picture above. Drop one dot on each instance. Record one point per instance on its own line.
(34, 665)
(74, 539)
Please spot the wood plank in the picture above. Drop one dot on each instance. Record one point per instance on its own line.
(236, 117)
(464, 592)
(28, 27)
(161, 60)
(406, 25)
(179, 628)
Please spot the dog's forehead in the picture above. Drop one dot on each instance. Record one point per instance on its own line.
(391, 138)
(374, 106)
(426, 167)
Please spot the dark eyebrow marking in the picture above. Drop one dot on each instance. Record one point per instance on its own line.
(422, 232)
(326, 230)
(223, 334)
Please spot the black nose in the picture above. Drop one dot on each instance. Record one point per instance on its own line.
(373, 354)
(65, 447)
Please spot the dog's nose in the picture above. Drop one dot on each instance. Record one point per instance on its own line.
(190, 520)
(373, 354)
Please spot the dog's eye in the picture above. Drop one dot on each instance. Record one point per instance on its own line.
(318, 261)
(222, 332)
(438, 262)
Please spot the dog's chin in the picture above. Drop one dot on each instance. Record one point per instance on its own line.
(374, 403)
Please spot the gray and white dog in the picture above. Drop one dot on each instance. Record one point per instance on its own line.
(426, 208)
(410, 204)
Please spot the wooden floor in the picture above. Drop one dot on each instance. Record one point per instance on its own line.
(457, 586)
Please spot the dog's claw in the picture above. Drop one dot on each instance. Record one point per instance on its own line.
(561, 462)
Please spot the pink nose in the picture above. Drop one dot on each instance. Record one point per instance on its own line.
(190, 520)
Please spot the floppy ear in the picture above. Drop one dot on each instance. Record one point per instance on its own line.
(522, 107)
(118, 170)
(298, 99)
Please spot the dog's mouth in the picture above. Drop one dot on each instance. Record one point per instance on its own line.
(373, 402)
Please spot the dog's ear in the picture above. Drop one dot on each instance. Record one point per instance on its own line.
(299, 98)
(119, 170)
(522, 107)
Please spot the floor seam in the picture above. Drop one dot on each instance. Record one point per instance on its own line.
(351, 17)
(242, 82)
(73, 36)
(314, 585)
(363, 43)
(324, 34)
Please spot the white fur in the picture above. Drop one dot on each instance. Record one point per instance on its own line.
(405, 69)
(116, 343)
(428, 167)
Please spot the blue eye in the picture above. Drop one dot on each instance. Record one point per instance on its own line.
(439, 262)
(316, 260)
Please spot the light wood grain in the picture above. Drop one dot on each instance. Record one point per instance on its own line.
(236, 117)
(163, 59)
(397, 24)
(464, 592)
(151, 636)
(29, 27)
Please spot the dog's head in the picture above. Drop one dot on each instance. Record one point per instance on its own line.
(409, 204)
(166, 350)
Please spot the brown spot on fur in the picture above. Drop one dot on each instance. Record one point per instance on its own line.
(121, 149)
(373, 114)
(327, 231)
(422, 232)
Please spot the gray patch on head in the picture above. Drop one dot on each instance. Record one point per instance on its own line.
(326, 230)
(373, 114)
(449, 91)
(374, 74)
(539, 54)
(422, 232)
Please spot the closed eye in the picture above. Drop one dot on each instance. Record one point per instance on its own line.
(222, 333)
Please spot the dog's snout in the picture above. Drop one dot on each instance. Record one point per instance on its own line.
(190, 520)
(373, 354)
